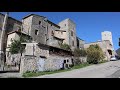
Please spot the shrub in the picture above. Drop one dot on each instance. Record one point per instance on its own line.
(65, 46)
(94, 54)
(77, 54)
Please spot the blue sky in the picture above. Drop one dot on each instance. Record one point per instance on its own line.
(89, 25)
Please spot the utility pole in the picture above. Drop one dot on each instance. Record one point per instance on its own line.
(119, 41)
(2, 52)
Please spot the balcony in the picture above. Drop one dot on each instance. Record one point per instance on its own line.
(59, 34)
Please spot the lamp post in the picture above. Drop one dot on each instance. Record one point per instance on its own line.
(2, 46)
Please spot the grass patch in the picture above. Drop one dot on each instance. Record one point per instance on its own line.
(12, 77)
(34, 74)
(81, 65)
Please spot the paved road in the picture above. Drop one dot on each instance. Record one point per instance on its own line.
(10, 75)
(106, 70)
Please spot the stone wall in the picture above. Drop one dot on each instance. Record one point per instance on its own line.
(79, 60)
(43, 60)
(55, 62)
(13, 59)
(28, 63)
(51, 40)
(12, 62)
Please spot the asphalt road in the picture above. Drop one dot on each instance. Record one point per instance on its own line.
(106, 70)
(115, 75)
(10, 75)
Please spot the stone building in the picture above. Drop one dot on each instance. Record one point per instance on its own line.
(42, 30)
(41, 57)
(107, 35)
(13, 60)
(11, 25)
(70, 27)
(16, 35)
(106, 47)
(80, 43)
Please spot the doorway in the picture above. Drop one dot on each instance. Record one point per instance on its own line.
(41, 63)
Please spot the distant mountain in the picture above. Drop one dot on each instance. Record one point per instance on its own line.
(118, 51)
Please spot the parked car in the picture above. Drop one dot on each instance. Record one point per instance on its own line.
(113, 58)
(118, 57)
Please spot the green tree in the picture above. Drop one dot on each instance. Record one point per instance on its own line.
(94, 54)
(79, 52)
(16, 46)
(65, 46)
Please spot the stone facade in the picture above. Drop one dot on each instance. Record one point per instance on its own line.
(70, 27)
(50, 61)
(80, 43)
(13, 59)
(12, 62)
(107, 35)
(56, 62)
(41, 30)
(35, 26)
(52, 40)
(28, 63)
(11, 25)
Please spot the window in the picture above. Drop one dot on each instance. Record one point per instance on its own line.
(11, 39)
(71, 33)
(39, 22)
(64, 61)
(7, 54)
(72, 43)
(43, 26)
(52, 33)
(67, 60)
(36, 32)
